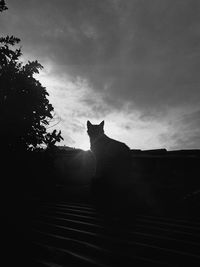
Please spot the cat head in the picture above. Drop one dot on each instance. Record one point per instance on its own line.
(95, 130)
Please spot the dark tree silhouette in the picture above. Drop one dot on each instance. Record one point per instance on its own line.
(24, 107)
(2, 5)
(25, 111)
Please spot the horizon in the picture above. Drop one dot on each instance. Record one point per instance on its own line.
(132, 149)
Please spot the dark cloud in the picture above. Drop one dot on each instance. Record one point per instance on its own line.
(181, 141)
(191, 120)
(143, 52)
(184, 132)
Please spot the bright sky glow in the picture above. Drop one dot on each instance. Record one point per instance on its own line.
(72, 114)
(134, 64)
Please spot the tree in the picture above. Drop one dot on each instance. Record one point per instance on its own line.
(25, 111)
(2, 5)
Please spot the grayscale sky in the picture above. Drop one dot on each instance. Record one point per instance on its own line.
(133, 63)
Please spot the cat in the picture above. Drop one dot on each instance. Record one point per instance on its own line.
(113, 161)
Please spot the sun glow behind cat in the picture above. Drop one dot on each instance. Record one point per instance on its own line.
(72, 109)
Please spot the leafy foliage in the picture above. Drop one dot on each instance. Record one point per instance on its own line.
(2, 5)
(24, 107)
(51, 138)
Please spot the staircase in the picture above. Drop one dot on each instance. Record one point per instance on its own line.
(77, 234)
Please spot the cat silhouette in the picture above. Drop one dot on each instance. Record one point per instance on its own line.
(113, 162)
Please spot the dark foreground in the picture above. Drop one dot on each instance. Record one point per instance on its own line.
(45, 225)
(65, 233)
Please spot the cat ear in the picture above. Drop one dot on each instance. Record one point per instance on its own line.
(102, 124)
(89, 124)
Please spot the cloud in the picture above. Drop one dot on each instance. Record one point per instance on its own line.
(74, 104)
(142, 52)
(183, 132)
(139, 54)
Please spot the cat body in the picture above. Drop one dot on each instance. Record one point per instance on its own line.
(112, 157)
(113, 161)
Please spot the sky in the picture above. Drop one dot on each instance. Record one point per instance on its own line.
(132, 63)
